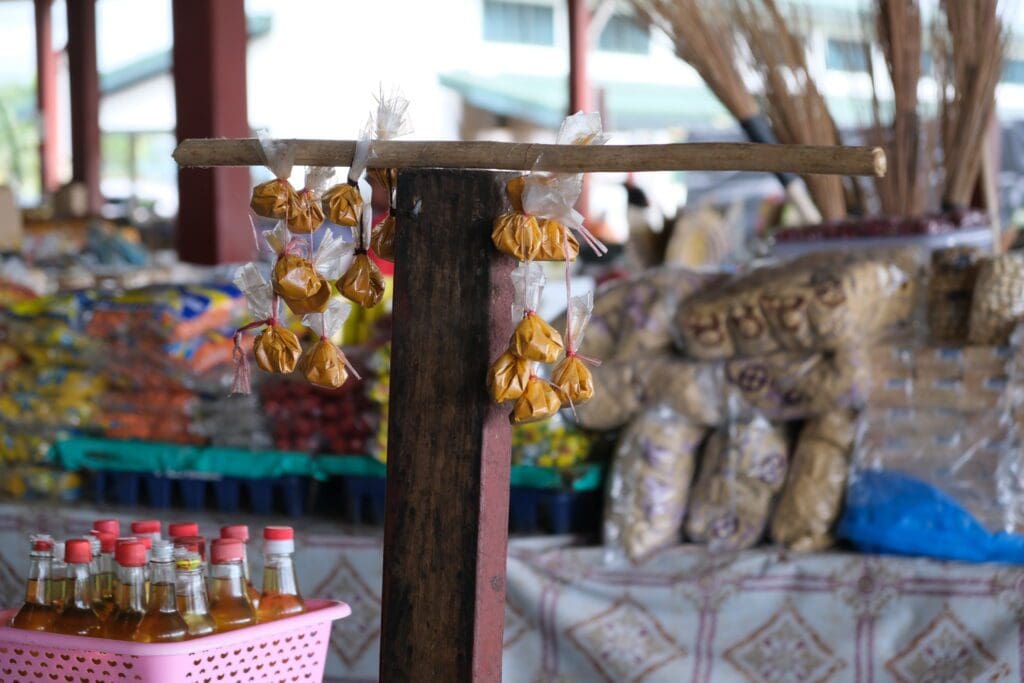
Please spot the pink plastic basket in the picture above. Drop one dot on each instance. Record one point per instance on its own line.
(291, 649)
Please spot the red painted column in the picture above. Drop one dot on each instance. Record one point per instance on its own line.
(210, 40)
(579, 83)
(46, 96)
(85, 99)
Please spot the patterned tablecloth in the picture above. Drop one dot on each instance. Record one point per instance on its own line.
(681, 616)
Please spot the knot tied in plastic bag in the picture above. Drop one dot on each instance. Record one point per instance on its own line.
(325, 364)
(388, 122)
(307, 214)
(275, 198)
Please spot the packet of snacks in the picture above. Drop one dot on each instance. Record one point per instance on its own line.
(294, 277)
(533, 339)
(539, 401)
(343, 203)
(508, 376)
(571, 375)
(276, 347)
(363, 282)
(387, 123)
(306, 214)
(275, 198)
(542, 204)
(324, 364)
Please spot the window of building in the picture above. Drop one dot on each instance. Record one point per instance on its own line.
(519, 22)
(624, 34)
(1013, 71)
(846, 55)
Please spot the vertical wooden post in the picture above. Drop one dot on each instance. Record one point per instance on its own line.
(85, 99)
(446, 526)
(579, 81)
(46, 96)
(210, 40)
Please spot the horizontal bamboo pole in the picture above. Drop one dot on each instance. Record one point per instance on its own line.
(704, 156)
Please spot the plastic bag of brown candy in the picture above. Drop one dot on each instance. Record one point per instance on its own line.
(387, 123)
(306, 214)
(533, 339)
(343, 203)
(304, 283)
(274, 198)
(743, 467)
(363, 282)
(276, 348)
(539, 401)
(812, 498)
(571, 375)
(324, 364)
(515, 233)
(649, 484)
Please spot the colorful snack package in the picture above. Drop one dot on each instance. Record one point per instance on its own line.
(363, 282)
(571, 375)
(306, 214)
(324, 364)
(533, 339)
(387, 123)
(343, 203)
(274, 198)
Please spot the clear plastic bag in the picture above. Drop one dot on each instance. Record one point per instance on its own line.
(324, 364)
(275, 198)
(649, 484)
(742, 469)
(307, 214)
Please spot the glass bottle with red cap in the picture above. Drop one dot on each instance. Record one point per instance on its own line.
(280, 596)
(78, 618)
(131, 591)
(229, 602)
(191, 593)
(109, 526)
(38, 613)
(161, 623)
(58, 573)
(146, 528)
(103, 573)
(241, 532)
(182, 529)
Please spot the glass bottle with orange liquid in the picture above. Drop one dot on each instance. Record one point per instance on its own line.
(229, 602)
(241, 532)
(280, 596)
(78, 618)
(37, 614)
(58, 575)
(131, 599)
(191, 593)
(161, 623)
(103, 544)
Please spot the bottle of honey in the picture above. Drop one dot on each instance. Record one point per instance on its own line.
(191, 593)
(146, 528)
(229, 602)
(38, 613)
(58, 575)
(78, 618)
(161, 623)
(103, 572)
(280, 596)
(241, 532)
(131, 589)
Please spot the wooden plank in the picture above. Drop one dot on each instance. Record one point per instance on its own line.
(446, 526)
(84, 84)
(210, 40)
(697, 156)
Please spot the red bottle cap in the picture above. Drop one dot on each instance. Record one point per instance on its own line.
(108, 540)
(239, 531)
(111, 526)
(77, 551)
(179, 529)
(226, 550)
(131, 554)
(42, 545)
(278, 533)
(127, 539)
(147, 542)
(195, 544)
(146, 526)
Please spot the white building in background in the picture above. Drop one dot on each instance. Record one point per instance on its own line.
(478, 69)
